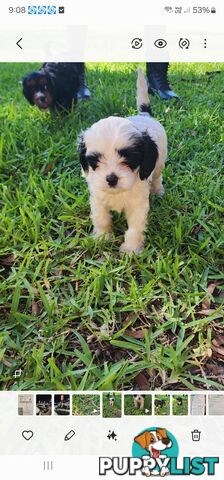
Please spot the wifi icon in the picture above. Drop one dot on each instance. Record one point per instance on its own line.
(168, 9)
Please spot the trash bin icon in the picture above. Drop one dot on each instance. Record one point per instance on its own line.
(196, 436)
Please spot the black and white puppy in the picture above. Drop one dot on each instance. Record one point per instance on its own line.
(55, 85)
(122, 159)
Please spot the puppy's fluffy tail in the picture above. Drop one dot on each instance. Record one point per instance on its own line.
(143, 104)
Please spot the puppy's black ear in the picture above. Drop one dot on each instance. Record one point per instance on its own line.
(27, 90)
(150, 155)
(82, 153)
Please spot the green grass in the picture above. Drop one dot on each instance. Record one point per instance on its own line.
(86, 404)
(130, 409)
(112, 411)
(74, 312)
(180, 409)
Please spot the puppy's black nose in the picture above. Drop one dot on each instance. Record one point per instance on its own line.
(112, 180)
(42, 98)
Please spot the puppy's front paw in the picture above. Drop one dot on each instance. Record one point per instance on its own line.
(129, 248)
(100, 233)
(158, 190)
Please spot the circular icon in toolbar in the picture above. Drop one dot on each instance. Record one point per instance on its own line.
(184, 43)
(136, 43)
(160, 43)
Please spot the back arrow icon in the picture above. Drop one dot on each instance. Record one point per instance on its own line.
(18, 43)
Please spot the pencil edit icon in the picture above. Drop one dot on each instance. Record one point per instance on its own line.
(69, 435)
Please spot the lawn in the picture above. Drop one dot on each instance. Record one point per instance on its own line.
(74, 312)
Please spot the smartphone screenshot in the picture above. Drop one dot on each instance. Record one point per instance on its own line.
(111, 239)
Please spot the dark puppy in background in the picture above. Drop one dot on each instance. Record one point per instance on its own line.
(56, 86)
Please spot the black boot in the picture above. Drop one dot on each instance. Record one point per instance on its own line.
(84, 92)
(157, 79)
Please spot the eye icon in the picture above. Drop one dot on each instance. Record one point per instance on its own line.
(160, 43)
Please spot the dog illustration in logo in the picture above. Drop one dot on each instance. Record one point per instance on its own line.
(155, 442)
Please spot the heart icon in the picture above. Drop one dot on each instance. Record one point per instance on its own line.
(27, 434)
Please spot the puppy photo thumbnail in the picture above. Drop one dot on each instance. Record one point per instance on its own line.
(137, 404)
(112, 404)
(180, 404)
(85, 404)
(162, 405)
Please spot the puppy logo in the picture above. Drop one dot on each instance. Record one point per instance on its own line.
(160, 445)
(155, 452)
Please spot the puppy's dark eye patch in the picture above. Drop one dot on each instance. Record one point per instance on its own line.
(132, 156)
(31, 83)
(42, 81)
(93, 160)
